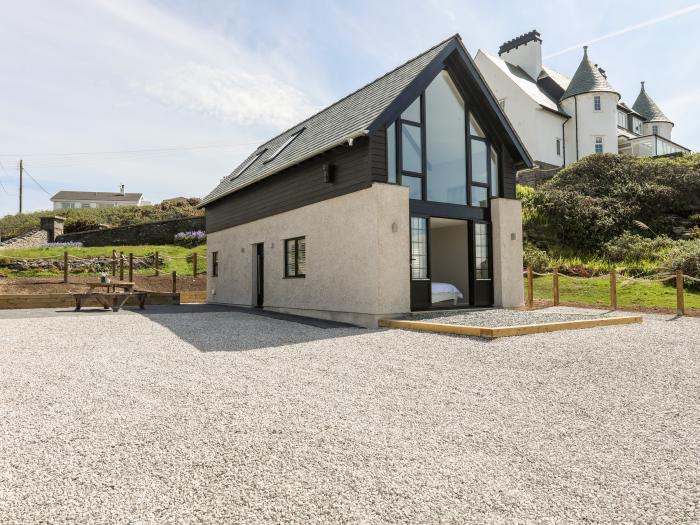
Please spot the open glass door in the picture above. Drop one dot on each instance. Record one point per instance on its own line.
(420, 271)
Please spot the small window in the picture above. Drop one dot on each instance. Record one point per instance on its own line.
(599, 144)
(637, 125)
(596, 102)
(214, 264)
(295, 257)
(481, 251)
(85, 205)
(411, 151)
(391, 153)
(284, 145)
(621, 119)
(655, 130)
(558, 147)
(248, 164)
(494, 173)
(474, 128)
(412, 113)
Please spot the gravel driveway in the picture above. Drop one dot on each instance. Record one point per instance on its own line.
(213, 415)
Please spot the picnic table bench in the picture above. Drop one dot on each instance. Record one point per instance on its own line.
(110, 299)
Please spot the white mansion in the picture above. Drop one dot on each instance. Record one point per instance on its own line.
(562, 119)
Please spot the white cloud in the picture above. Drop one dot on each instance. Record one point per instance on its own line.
(236, 95)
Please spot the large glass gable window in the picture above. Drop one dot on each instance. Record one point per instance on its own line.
(445, 146)
(439, 150)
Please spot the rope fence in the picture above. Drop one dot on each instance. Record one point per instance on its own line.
(678, 275)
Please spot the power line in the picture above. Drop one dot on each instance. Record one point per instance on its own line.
(119, 152)
(1, 184)
(37, 182)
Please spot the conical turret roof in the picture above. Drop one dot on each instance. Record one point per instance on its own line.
(646, 107)
(587, 79)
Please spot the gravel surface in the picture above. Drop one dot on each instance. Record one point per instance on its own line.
(222, 416)
(504, 317)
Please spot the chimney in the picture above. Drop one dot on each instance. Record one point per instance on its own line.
(121, 190)
(525, 52)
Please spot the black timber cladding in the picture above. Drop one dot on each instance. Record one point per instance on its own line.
(294, 187)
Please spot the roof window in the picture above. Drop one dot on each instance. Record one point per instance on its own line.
(248, 164)
(284, 145)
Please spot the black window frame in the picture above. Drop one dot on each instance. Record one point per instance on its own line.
(489, 142)
(215, 264)
(296, 275)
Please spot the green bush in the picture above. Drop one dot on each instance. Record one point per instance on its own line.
(533, 256)
(82, 219)
(634, 247)
(596, 199)
(684, 256)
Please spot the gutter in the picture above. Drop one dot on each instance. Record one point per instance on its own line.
(348, 139)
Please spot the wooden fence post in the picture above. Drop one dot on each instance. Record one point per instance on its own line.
(613, 289)
(680, 303)
(131, 267)
(157, 265)
(555, 286)
(114, 263)
(174, 281)
(121, 266)
(194, 264)
(65, 267)
(530, 291)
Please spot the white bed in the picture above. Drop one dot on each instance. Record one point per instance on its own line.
(445, 292)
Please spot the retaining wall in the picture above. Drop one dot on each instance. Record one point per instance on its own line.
(160, 232)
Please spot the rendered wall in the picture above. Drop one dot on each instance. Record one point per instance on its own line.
(356, 264)
(507, 229)
(591, 124)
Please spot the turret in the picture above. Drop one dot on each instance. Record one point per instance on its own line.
(656, 121)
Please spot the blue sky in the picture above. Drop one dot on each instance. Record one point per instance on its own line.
(167, 97)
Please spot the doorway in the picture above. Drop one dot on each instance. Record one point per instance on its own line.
(449, 262)
(259, 275)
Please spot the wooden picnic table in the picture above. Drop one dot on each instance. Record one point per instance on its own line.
(110, 299)
(127, 286)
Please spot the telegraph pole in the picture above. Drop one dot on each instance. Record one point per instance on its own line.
(21, 169)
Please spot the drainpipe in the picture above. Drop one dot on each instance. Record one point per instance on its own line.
(563, 143)
(576, 117)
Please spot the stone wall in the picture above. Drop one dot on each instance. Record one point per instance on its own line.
(161, 232)
(28, 240)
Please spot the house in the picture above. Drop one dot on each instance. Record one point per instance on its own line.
(562, 119)
(398, 197)
(96, 199)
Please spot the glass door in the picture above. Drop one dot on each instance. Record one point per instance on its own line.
(481, 289)
(420, 270)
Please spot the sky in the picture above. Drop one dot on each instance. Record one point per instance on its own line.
(168, 96)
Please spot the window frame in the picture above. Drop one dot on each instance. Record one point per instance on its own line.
(596, 141)
(248, 164)
(215, 264)
(284, 145)
(470, 178)
(489, 251)
(597, 103)
(296, 275)
(654, 129)
(400, 171)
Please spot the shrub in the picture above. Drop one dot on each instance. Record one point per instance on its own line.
(634, 247)
(533, 256)
(190, 239)
(695, 218)
(596, 199)
(685, 256)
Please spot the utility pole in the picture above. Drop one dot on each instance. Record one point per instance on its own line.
(21, 169)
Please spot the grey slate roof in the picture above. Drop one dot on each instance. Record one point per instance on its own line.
(587, 79)
(350, 116)
(646, 107)
(96, 196)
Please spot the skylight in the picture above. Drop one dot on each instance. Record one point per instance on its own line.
(284, 145)
(248, 164)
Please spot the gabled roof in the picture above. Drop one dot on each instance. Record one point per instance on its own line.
(587, 79)
(358, 114)
(646, 107)
(96, 196)
(523, 81)
(348, 117)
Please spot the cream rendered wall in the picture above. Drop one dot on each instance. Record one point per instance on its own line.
(664, 129)
(507, 232)
(537, 128)
(357, 258)
(591, 124)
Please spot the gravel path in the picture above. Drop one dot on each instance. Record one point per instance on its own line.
(503, 317)
(221, 416)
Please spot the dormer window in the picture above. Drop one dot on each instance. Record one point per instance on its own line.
(596, 103)
(284, 145)
(621, 119)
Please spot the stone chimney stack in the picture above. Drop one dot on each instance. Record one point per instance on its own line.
(525, 52)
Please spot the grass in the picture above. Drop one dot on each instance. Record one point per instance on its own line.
(181, 266)
(596, 292)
